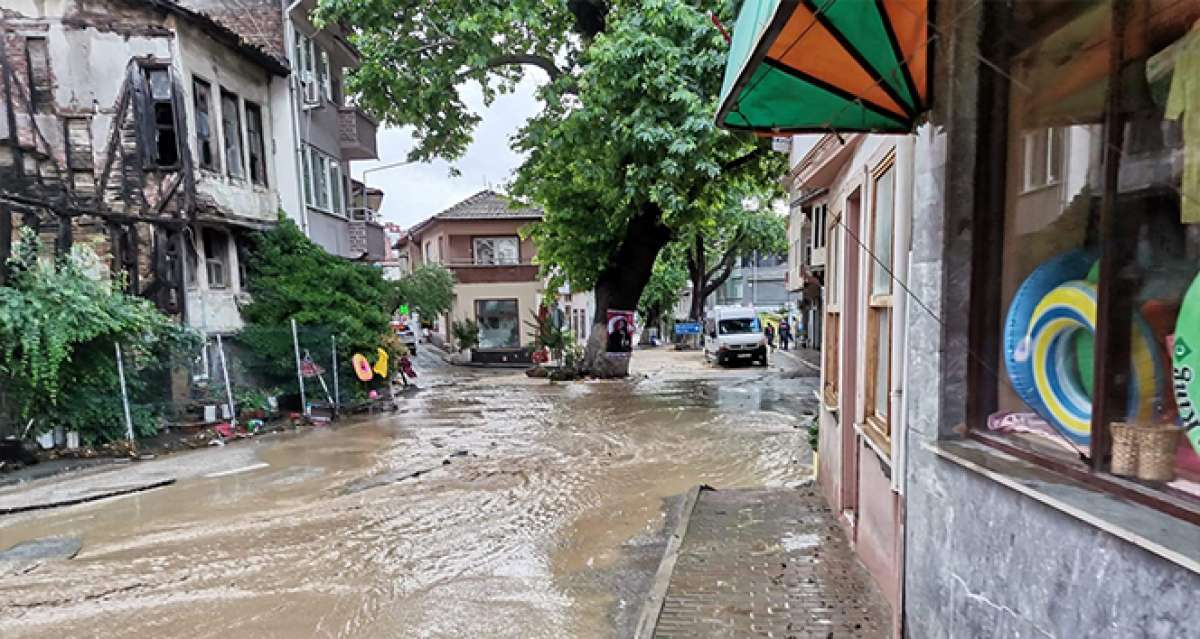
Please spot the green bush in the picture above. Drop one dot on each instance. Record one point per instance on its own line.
(289, 278)
(59, 325)
(465, 333)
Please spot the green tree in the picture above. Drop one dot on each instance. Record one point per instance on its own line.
(428, 291)
(290, 277)
(624, 154)
(59, 325)
(662, 292)
(714, 244)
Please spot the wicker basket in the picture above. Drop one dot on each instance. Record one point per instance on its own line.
(1156, 452)
(1125, 442)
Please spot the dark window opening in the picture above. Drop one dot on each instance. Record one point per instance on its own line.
(254, 134)
(165, 147)
(231, 127)
(204, 141)
(37, 55)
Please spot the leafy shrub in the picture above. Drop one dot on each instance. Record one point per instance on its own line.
(59, 325)
(428, 291)
(465, 333)
(290, 277)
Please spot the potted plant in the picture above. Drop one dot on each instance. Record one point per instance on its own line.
(466, 336)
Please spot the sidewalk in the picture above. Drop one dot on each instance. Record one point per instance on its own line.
(766, 563)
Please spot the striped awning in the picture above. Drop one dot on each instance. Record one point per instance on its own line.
(809, 66)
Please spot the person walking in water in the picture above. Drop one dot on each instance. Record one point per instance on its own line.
(785, 334)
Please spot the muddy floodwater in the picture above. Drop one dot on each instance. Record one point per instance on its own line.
(489, 505)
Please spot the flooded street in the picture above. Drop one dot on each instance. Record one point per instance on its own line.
(490, 505)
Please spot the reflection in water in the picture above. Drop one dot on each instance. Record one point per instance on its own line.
(487, 506)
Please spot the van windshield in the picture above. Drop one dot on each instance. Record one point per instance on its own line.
(739, 326)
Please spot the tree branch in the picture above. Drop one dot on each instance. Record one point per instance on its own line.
(540, 61)
(715, 278)
(730, 253)
(739, 162)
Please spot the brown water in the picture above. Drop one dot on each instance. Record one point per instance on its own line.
(536, 511)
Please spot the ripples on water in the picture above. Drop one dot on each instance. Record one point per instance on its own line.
(483, 509)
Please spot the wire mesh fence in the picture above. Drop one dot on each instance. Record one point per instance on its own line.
(235, 384)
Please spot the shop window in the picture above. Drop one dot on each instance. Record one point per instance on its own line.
(833, 324)
(499, 323)
(231, 129)
(159, 119)
(202, 99)
(1097, 313)
(216, 258)
(880, 223)
(41, 90)
(493, 251)
(254, 135)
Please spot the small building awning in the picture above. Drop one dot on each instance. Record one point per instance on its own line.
(811, 66)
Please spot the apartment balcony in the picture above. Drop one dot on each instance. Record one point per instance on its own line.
(368, 239)
(468, 272)
(356, 133)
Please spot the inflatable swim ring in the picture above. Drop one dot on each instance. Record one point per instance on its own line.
(1186, 364)
(1069, 266)
(362, 368)
(1061, 314)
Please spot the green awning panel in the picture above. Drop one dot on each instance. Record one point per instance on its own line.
(807, 66)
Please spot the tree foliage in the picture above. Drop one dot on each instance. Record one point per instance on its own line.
(59, 324)
(428, 291)
(666, 284)
(624, 155)
(293, 278)
(715, 243)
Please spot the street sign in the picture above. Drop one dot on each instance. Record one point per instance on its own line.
(687, 328)
(403, 310)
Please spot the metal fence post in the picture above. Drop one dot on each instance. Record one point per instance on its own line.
(299, 372)
(337, 397)
(124, 394)
(225, 375)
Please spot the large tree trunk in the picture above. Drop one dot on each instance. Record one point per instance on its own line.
(695, 264)
(620, 285)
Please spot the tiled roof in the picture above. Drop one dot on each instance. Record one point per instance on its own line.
(484, 205)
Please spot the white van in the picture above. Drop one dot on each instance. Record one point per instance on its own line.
(733, 333)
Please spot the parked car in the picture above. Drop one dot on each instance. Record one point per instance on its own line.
(734, 333)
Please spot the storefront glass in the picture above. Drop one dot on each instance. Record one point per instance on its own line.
(499, 323)
(1100, 301)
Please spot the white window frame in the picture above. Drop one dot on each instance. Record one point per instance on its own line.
(324, 182)
(306, 64)
(478, 242)
(1053, 137)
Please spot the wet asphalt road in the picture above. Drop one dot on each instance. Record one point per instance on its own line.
(490, 505)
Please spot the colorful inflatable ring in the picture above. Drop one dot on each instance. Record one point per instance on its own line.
(1057, 270)
(1064, 311)
(1186, 364)
(362, 368)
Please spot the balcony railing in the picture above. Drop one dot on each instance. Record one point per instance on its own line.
(466, 271)
(356, 132)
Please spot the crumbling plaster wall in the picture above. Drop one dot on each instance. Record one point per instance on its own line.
(201, 56)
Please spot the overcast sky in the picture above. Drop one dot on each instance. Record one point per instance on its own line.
(414, 192)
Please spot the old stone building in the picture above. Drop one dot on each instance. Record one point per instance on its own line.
(144, 129)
